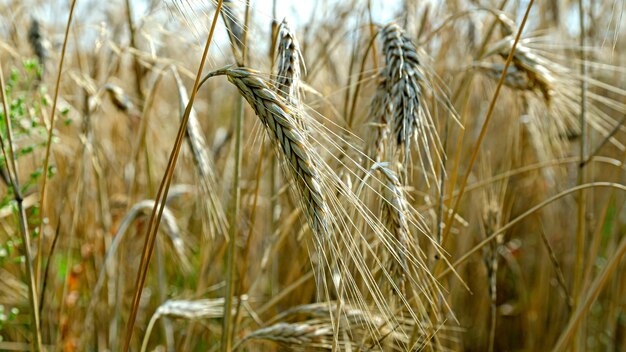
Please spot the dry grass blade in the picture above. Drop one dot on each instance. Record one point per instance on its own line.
(205, 165)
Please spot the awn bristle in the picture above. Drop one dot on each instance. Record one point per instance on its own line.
(280, 122)
(398, 104)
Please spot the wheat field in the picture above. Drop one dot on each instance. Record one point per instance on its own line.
(277, 175)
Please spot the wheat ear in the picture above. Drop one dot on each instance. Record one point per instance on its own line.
(280, 122)
(296, 334)
(398, 104)
(289, 64)
(36, 41)
(186, 309)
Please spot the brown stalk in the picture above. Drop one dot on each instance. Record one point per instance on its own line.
(228, 326)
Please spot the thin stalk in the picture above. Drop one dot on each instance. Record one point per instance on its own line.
(355, 50)
(166, 324)
(133, 44)
(582, 200)
(359, 81)
(273, 177)
(157, 211)
(13, 177)
(601, 223)
(42, 200)
(442, 179)
(232, 220)
(228, 322)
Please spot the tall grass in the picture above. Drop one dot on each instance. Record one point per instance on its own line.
(190, 176)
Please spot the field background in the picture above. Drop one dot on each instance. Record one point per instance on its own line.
(89, 145)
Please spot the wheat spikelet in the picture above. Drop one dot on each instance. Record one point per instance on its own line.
(189, 310)
(352, 318)
(296, 334)
(515, 78)
(394, 214)
(278, 119)
(399, 106)
(289, 63)
(203, 161)
(551, 99)
(234, 27)
(168, 221)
